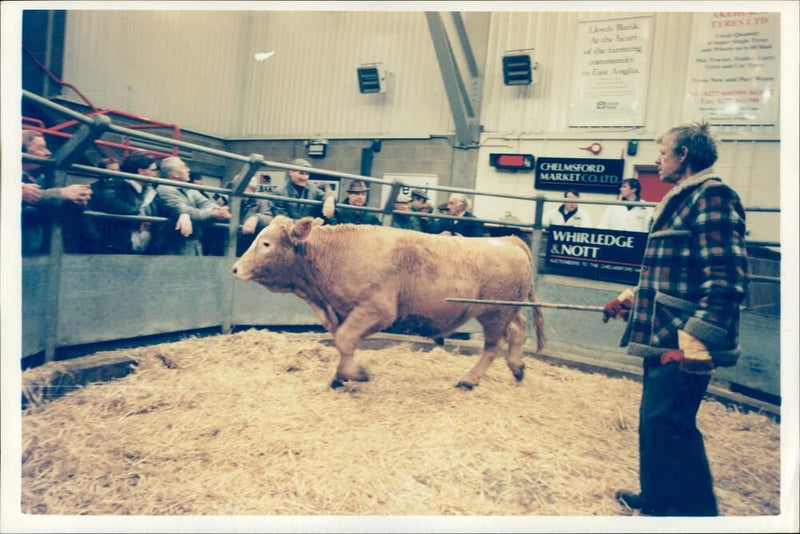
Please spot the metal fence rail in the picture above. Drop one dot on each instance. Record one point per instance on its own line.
(91, 130)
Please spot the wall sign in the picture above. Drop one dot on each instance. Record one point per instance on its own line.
(581, 174)
(612, 66)
(734, 68)
(596, 253)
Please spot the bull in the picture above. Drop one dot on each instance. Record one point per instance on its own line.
(361, 279)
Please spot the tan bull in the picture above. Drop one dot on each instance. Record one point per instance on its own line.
(362, 279)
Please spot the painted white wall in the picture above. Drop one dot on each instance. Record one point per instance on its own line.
(197, 69)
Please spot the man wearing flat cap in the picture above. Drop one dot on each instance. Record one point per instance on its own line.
(356, 196)
(298, 187)
(420, 204)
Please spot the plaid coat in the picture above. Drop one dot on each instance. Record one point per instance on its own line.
(694, 272)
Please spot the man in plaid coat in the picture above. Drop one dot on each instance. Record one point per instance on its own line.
(683, 320)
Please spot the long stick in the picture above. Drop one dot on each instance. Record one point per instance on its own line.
(528, 304)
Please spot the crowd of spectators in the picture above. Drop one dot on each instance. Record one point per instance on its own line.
(192, 214)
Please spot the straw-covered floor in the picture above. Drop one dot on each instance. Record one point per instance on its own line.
(247, 424)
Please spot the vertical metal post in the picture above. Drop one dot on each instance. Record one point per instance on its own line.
(235, 203)
(536, 245)
(390, 200)
(64, 157)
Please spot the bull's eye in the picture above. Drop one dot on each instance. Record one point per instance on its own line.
(266, 245)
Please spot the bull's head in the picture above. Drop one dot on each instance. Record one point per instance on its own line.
(271, 258)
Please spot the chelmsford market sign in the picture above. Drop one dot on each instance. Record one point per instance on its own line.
(596, 253)
(582, 174)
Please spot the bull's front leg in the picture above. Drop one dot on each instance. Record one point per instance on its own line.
(359, 324)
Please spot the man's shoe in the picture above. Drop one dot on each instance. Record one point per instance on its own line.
(633, 501)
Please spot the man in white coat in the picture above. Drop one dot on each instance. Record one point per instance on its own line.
(568, 213)
(628, 218)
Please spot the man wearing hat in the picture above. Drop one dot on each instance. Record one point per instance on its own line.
(356, 196)
(420, 204)
(403, 203)
(297, 186)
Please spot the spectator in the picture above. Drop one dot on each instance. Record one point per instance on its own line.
(126, 196)
(188, 208)
(420, 204)
(213, 238)
(255, 215)
(356, 196)
(568, 214)
(297, 186)
(109, 164)
(628, 218)
(40, 203)
(399, 220)
(458, 206)
(683, 321)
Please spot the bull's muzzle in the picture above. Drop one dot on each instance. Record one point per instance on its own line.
(237, 271)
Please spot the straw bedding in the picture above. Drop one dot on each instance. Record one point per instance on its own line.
(247, 424)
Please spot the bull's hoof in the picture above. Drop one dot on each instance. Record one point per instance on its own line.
(519, 374)
(337, 383)
(363, 376)
(466, 386)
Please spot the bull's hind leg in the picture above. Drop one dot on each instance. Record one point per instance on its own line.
(493, 338)
(490, 350)
(515, 334)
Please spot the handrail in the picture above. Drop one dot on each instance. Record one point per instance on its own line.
(91, 128)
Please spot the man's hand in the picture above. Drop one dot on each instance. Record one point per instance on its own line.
(692, 357)
(31, 193)
(221, 213)
(620, 307)
(328, 207)
(249, 226)
(77, 193)
(184, 225)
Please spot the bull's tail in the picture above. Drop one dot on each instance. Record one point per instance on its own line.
(538, 324)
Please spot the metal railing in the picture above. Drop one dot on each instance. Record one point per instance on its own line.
(92, 129)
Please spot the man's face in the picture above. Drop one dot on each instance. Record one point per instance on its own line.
(299, 178)
(357, 199)
(454, 206)
(417, 202)
(626, 192)
(670, 166)
(151, 171)
(570, 206)
(402, 206)
(181, 173)
(38, 148)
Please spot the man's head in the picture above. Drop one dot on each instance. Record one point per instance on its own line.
(418, 199)
(570, 206)
(457, 204)
(630, 189)
(684, 151)
(173, 168)
(111, 164)
(403, 202)
(299, 178)
(140, 162)
(33, 143)
(357, 193)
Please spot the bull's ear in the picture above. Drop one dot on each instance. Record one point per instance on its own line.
(301, 229)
